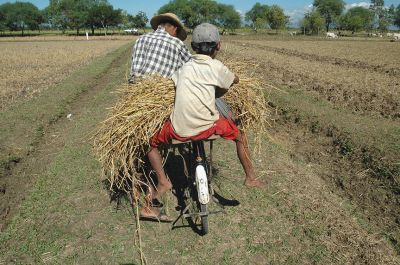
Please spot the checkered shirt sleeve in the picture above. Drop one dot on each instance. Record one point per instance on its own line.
(158, 52)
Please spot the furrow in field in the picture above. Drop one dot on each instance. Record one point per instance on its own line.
(356, 89)
(351, 63)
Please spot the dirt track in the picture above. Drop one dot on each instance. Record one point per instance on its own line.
(21, 174)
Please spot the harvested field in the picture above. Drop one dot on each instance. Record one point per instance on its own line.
(30, 67)
(66, 38)
(331, 109)
(349, 83)
(330, 164)
(369, 55)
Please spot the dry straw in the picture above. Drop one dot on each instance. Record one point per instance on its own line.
(122, 141)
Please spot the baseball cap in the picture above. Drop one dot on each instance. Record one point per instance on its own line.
(205, 32)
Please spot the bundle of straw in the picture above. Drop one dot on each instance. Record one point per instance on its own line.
(123, 139)
(247, 101)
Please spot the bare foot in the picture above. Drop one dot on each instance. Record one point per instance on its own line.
(149, 212)
(253, 183)
(153, 214)
(161, 189)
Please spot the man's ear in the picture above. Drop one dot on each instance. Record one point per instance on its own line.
(218, 46)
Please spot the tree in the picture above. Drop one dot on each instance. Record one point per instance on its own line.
(181, 8)
(330, 10)
(70, 13)
(103, 15)
(77, 13)
(94, 14)
(261, 23)
(312, 23)
(204, 11)
(57, 14)
(391, 14)
(2, 20)
(195, 12)
(276, 18)
(139, 21)
(257, 13)
(396, 20)
(228, 17)
(20, 16)
(382, 17)
(358, 18)
(192, 12)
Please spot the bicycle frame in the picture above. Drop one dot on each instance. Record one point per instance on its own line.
(199, 190)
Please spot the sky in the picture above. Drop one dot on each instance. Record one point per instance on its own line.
(294, 8)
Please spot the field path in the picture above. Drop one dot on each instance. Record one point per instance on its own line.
(65, 215)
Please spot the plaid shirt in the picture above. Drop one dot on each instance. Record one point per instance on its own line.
(158, 52)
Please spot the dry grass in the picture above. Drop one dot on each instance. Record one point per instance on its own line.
(123, 139)
(29, 67)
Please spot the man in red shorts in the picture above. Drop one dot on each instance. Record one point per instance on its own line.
(195, 115)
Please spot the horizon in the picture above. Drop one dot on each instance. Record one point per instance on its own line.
(294, 9)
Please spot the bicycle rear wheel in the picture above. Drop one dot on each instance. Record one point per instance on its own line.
(204, 218)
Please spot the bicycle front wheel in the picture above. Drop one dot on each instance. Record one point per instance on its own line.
(204, 218)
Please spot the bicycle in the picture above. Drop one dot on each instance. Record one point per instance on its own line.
(198, 191)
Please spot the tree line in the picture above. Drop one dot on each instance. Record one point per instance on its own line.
(99, 14)
(328, 14)
(68, 14)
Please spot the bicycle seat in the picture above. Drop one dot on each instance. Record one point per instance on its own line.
(211, 138)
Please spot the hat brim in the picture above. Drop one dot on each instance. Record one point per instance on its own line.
(157, 20)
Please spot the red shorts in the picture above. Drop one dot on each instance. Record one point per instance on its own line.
(222, 127)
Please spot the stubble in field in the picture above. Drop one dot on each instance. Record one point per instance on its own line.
(29, 67)
(361, 76)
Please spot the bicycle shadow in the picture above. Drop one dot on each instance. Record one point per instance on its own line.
(177, 168)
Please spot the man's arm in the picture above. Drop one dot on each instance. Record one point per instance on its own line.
(185, 55)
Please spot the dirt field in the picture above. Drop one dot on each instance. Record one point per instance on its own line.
(377, 56)
(366, 81)
(31, 65)
(331, 164)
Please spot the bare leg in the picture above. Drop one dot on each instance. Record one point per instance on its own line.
(163, 183)
(244, 157)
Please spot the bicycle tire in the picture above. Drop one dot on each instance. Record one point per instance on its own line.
(204, 219)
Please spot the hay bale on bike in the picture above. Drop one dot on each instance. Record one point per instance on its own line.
(122, 141)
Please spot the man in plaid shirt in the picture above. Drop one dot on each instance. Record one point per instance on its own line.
(162, 51)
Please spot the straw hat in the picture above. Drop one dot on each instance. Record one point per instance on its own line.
(173, 19)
